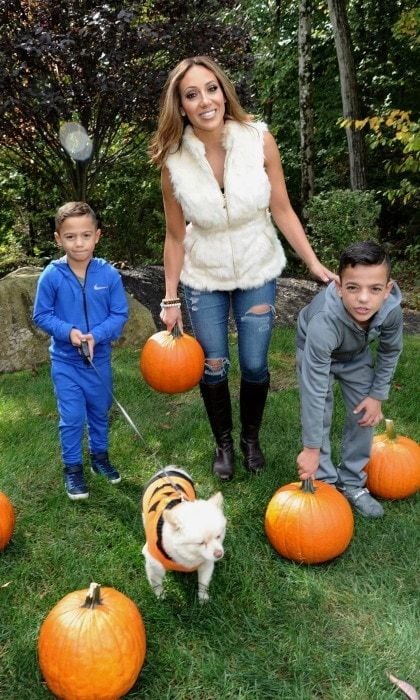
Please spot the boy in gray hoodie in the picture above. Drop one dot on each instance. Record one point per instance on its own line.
(333, 336)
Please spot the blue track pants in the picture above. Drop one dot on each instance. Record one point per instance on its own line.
(82, 398)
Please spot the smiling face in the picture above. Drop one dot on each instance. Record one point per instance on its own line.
(202, 99)
(78, 237)
(363, 289)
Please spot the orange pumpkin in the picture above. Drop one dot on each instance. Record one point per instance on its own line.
(92, 645)
(393, 470)
(309, 522)
(172, 362)
(7, 520)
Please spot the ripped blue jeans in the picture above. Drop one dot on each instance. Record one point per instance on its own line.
(209, 317)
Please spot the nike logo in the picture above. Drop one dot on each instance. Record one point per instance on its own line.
(97, 287)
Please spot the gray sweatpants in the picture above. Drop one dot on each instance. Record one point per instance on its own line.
(355, 379)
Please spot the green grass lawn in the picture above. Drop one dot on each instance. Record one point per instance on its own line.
(273, 629)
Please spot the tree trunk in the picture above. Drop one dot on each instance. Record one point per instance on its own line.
(306, 104)
(349, 92)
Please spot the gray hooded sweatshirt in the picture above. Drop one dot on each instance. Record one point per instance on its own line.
(326, 333)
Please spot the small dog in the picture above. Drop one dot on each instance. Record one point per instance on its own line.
(183, 533)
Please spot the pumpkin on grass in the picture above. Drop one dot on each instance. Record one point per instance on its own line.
(172, 362)
(7, 520)
(92, 645)
(309, 522)
(393, 470)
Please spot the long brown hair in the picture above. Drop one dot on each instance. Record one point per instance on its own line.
(171, 124)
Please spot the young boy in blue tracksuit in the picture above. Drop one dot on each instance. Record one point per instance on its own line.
(81, 298)
(333, 336)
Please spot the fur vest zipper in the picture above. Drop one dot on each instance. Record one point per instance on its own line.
(230, 241)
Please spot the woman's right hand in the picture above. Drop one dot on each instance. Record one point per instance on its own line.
(171, 316)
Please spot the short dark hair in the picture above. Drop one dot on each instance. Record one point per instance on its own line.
(74, 209)
(364, 253)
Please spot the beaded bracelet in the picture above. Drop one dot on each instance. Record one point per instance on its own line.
(169, 303)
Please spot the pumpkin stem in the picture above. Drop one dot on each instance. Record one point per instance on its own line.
(93, 597)
(308, 486)
(390, 430)
(176, 333)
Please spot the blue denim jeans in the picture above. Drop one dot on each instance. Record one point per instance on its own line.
(209, 317)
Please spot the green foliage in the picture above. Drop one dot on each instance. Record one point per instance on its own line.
(131, 212)
(408, 27)
(100, 64)
(105, 64)
(12, 257)
(25, 216)
(338, 218)
(399, 138)
(273, 630)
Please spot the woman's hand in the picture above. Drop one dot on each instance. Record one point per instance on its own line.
(171, 316)
(322, 273)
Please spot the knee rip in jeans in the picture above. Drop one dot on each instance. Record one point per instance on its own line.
(260, 309)
(259, 312)
(216, 367)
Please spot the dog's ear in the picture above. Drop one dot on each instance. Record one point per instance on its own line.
(169, 517)
(217, 499)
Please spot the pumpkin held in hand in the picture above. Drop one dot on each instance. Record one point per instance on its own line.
(7, 520)
(309, 522)
(92, 645)
(393, 470)
(172, 362)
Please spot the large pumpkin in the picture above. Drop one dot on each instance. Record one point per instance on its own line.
(92, 645)
(309, 522)
(172, 362)
(393, 470)
(7, 520)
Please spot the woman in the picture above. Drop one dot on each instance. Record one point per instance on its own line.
(222, 173)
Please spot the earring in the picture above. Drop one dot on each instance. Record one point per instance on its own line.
(182, 113)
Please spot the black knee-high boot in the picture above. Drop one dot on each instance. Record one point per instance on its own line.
(252, 400)
(216, 399)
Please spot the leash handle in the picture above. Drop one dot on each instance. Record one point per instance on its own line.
(84, 351)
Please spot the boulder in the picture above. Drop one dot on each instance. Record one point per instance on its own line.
(24, 346)
(139, 327)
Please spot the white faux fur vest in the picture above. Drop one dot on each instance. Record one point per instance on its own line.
(230, 242)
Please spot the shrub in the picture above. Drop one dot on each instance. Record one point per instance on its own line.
(129, 202)
(338, 218)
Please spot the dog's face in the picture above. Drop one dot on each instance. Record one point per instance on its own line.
(195, 530)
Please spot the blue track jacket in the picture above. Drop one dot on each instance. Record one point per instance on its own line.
(99, 306)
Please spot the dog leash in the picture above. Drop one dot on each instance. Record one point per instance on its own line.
(84, 351)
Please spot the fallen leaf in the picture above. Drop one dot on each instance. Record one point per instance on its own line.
(406, 688)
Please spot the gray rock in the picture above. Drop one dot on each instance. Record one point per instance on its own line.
(24, 346)
(139, 327)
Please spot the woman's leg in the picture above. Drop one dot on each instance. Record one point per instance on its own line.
(209, 315)
(254, 316)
